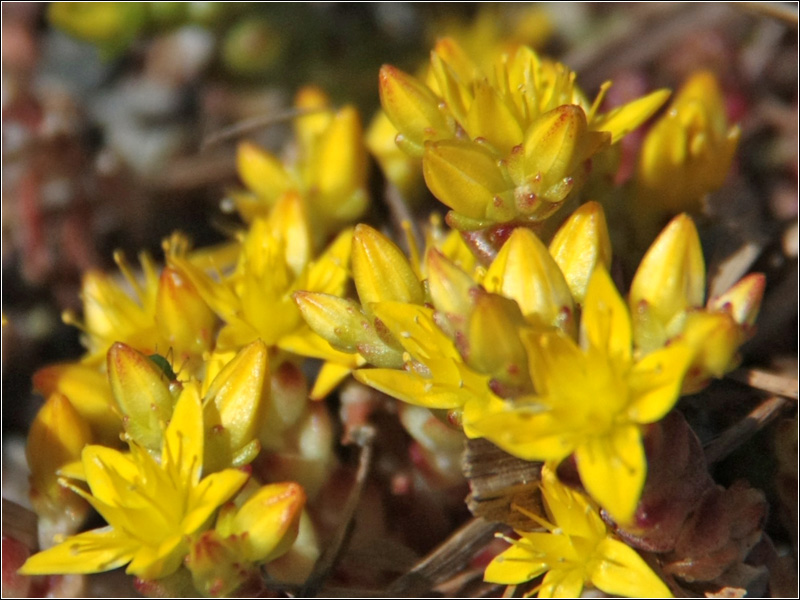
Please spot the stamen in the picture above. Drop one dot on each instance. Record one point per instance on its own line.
(124, 267)
(598, 100)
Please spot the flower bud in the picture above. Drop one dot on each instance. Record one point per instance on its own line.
(689, 151)
(399, 168)
(449, 287)
(182, 316)
(714, 339)
(742, 300)
(670, 280)
(234, 408)
(556, 145)
(580, 245)
(381, 271)
(466, 177)
(261, 172)
(525, 272)
(413, 109)
(339, 168)
(217, 566)
(89, 393)
(57, 437)
(493, 342)
(268, 522)
(142, 394)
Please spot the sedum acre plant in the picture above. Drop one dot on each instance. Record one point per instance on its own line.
(196, 425)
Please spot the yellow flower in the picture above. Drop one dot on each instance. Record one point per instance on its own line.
(255, 300)
(491, 31)
(688, 152)
(165, 314)
(261, 530)
(235, 397)
(507, 147)
(577, 550)
(153, 508)
(666, 301)
(592, 400)
(329, 174)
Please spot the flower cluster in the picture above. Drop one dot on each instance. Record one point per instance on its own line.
(506, 145)
(219, 326)
(500, 347)
(188, 427)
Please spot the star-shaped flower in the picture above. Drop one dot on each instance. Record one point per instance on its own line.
(153, 508)
(576, 550)
(592, 399)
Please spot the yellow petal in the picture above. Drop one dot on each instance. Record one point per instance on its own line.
(624, 119)
(411, 388)
(329, 377)
(562, 583)
(109, 473)
(655, 383)
(515, 565)
(606, 322)
(401, 169)
(380, 270)
(289, 224)
(622, 572)
(466, 177)
(270, 520)
(89, 552)
(142, 394)
(182, 453)
(222, 300)
(329, 272)
(529, 433)
(306, 342)
(341, 171)
(580, 245)
(261, 172)
(451, 53)
(212, 492)
(613, 470)
(491, 119)
(446, 81)
(416, 330)
(570, 510)
(742, 300)
(555, 362)
(311, 126)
